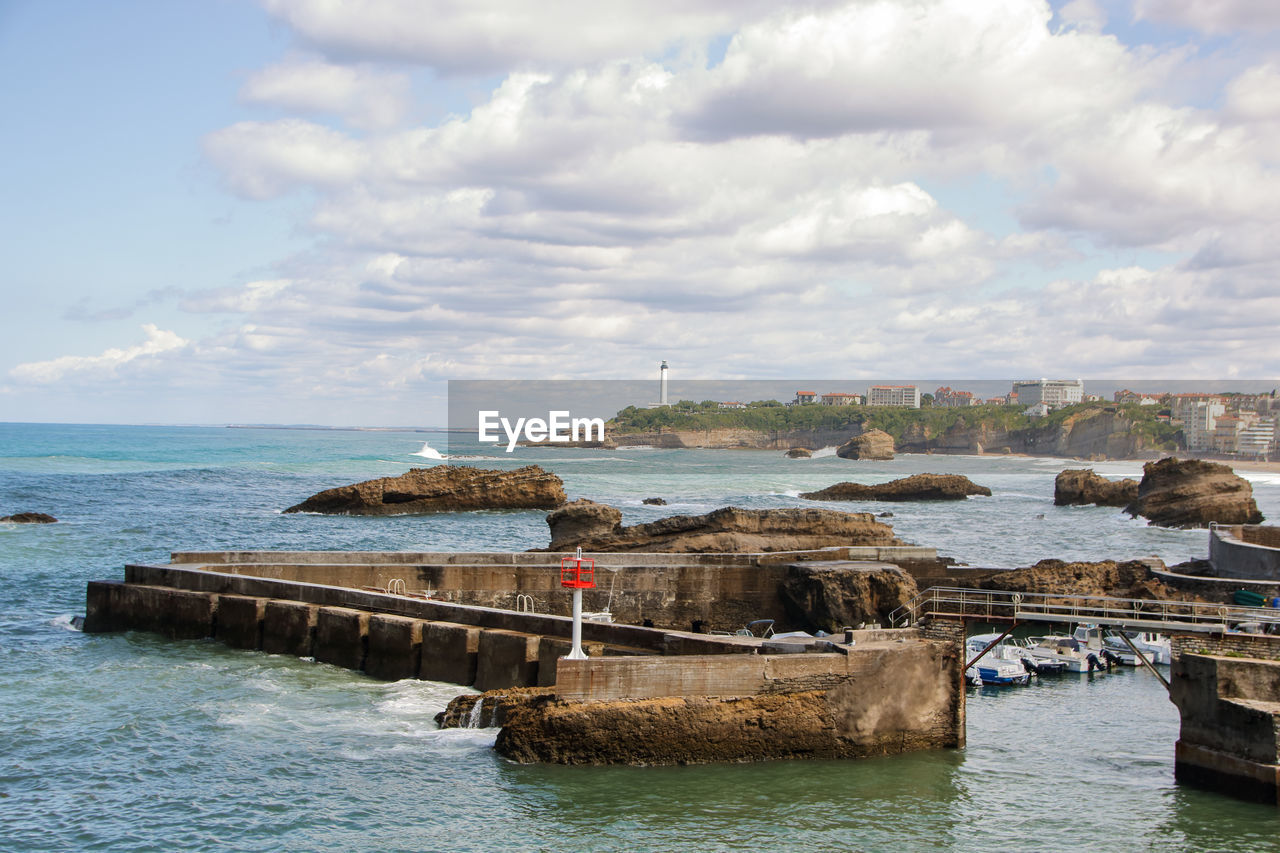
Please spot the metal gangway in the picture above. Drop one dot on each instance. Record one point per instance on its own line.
(989, 605)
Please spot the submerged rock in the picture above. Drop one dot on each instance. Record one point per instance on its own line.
(917, 487)
(654, 501)
(1078, 486)
(444, 488)
(29, 518)
(873, 444)
(597, 527)
(799, 453)
(1193, 493)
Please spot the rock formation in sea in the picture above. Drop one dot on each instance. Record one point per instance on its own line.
(831, 596)
(1192, 493)
(29, 518)
(917, 487)
(654, 501)
(872, 444)
(1078, 486)
(597, 527)
(444, 488)
(799, 453)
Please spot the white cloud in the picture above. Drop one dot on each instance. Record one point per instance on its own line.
(1212, 16)
(366, 97)
(785, 211)
(485, 36)
(159, 341)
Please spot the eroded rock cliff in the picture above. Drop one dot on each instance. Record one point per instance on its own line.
(1192, 493)
(872, 444)
(830, 596)
(1079, 486)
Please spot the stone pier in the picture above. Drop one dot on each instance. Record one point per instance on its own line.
(676, 696)
(1227, 689)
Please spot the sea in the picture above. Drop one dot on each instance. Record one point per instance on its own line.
(134, 743)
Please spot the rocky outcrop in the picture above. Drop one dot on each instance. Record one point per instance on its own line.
(444, 488)
(1079, 486)
(29, 518)
(1193, 493)
(1131, 579)
(799, 453)
(831, 596)
(872, 444)
(654, 501)
(598, 527)
(917, 487)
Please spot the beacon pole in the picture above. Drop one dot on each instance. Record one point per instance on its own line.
(577, 574)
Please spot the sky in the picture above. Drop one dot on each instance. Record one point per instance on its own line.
(310, 211)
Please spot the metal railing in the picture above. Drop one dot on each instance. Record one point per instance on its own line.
(1004, 605)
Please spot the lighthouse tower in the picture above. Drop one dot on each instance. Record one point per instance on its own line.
(662, 384)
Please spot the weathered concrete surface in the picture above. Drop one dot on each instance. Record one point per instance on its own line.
(449, 653)
(877, 700)
(724, 591)
(395, 647)
(444, 488)
(239, 621)
(174, 613)
(341, 637)
(506, 659)
(1248, 552)
(289, 628)
(1230, 734)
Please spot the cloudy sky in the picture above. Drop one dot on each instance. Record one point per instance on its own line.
(315, 211)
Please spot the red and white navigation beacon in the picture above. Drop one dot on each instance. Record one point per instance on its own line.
(577, 573)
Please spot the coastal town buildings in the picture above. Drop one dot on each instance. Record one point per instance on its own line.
(841, 399)
(1052, 392)
(803, 397)
(949, 398)
(894, 395)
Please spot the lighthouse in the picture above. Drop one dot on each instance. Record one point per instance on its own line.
(662, 384)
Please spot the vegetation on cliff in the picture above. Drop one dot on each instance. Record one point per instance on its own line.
(899, 422)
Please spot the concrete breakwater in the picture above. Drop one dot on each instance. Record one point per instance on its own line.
(646, 695)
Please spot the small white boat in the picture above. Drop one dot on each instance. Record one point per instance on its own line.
(1155, 647)
(1002, 664)
(996, 671)
(1074, 655)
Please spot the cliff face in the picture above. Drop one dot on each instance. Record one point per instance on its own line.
(1132, 579)
(597, 527)
(831, 596)
(1093, 433)
(445, 488)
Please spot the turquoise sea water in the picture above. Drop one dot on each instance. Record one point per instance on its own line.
(130, 742)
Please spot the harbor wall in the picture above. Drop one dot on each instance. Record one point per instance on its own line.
(718, 591)
(1229, 738)
(1245, 551)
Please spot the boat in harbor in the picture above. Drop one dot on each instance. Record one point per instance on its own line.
(1074, 655)
(1154, 646)
(1003, 663)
